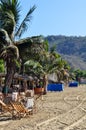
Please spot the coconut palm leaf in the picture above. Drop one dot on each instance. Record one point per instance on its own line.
(34, 64)
(4, 38)
(23, 27)
(8, 23)
(9, 16)
(11, 5)
(10, 52)
(33, 68)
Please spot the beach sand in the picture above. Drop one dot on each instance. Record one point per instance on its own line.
(64, 110)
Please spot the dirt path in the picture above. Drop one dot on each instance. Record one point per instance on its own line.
(65, 110)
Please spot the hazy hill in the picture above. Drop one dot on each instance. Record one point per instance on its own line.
(72, 48)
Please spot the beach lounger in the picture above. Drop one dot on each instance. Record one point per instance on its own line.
(20, 110)
(5, 107)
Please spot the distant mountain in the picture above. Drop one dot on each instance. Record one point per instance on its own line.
(72, 49)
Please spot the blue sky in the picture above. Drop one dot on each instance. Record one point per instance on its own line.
(56, 17)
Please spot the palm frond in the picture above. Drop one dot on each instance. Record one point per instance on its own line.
(10, 51)
(9, 15)
(32, 63)
(24, 25)
(11, 5)
(4, 38)
(13, 50)
(8, 23)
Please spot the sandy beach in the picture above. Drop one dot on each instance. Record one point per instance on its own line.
(64, 110)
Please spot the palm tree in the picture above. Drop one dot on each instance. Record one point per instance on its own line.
(9, 30)
(38, 61)
(41, 67)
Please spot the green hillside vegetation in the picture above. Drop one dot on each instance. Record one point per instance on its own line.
(71, 48)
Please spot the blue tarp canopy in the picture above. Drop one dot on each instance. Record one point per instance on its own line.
(55, 87)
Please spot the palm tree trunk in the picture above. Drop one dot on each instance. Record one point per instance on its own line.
(45, 83)
(9, 75)
(22, 68)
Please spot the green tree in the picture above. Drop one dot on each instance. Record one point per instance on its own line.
(78, 74)
(44, 63)
(9, 30)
